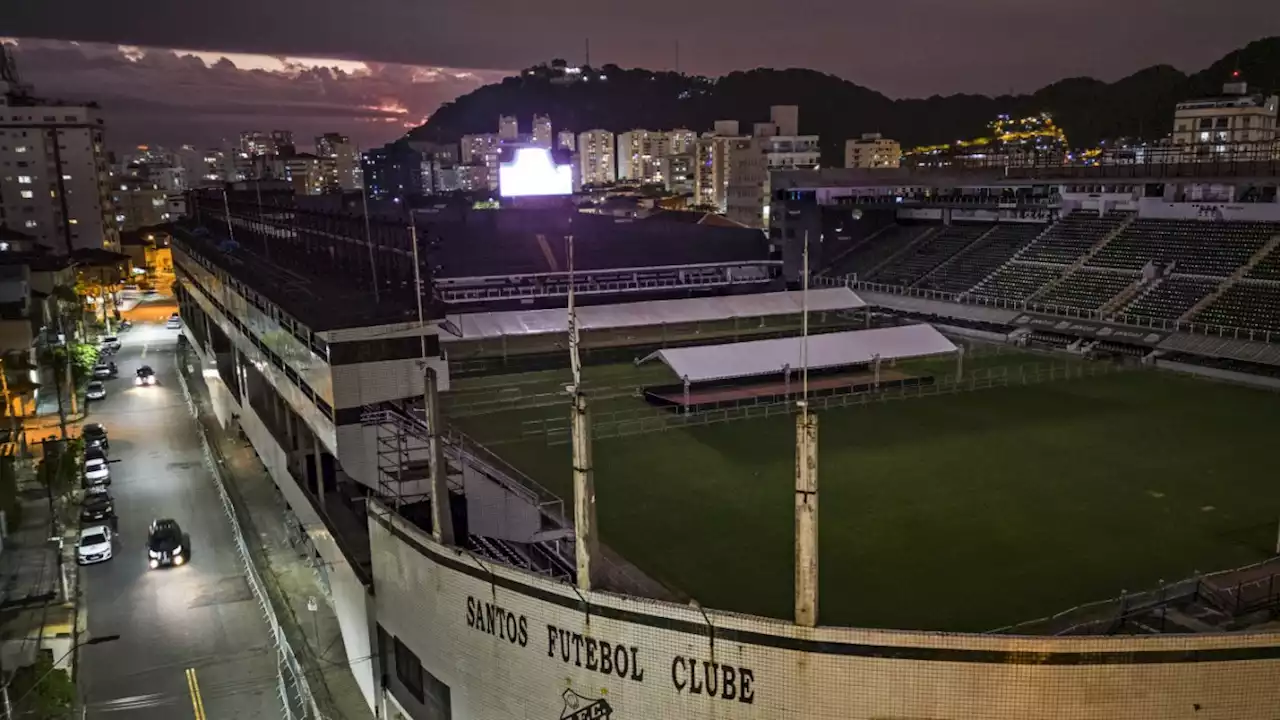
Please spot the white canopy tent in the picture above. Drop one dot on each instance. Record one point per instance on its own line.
(652, 313)
(828, 350)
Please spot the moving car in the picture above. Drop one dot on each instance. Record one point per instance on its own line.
(94, 545)
(167, 544)
(174, 322)
(145, 376)
(96, 469)
(95, 390)
(104, 370)
(95, 436)
(110, 343)
(97, 508)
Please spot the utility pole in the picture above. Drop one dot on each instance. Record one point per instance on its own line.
(806, 496)
(441, 517)
(71, 387)
(586, 542)
(8, 401)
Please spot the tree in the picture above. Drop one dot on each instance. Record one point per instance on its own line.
(9, 502)
(42, 692)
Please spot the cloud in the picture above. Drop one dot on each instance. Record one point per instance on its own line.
(164, 96)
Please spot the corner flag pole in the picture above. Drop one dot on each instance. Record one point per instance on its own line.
(806, 495)
(586, 543)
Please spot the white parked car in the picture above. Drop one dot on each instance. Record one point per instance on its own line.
(96, 469)
(110, 343)
(94, 545)
(95, 390)
(174, 322)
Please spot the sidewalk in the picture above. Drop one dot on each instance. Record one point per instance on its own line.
(291, 572)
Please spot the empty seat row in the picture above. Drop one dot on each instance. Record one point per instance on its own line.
(1249, 305)
(982, 258)
(1086, 289)
(1170, 298)
(1268, 268)
(938, 248)
(867, 255)
(1016, 281)
(1193, 247)
(1071, 237)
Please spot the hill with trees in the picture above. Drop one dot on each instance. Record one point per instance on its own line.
(1089, 110)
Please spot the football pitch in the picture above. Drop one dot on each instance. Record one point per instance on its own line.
(960, 512)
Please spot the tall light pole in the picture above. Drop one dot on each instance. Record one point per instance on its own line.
(806, 495)
(586, 541)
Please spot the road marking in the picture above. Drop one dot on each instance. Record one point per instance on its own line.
(197, 703)
(145, 345)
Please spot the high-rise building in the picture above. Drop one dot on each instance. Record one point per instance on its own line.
(393, 171)
(55, 181)
(439, 166)
(1236, 123)
(542, 131)
(566, 140)
(342, 159)
(139, 203)
(681, 141)
(774, 145)
(308, 174)
(256, 142)
(872, 151)
(639, 152)
(711, 176)
(508, 127)
(596, 153)
(282, 142)
(678, 171)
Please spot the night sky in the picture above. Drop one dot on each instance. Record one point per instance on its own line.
(373, 68)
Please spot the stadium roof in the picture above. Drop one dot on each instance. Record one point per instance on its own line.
(478, 326)
(829, 350)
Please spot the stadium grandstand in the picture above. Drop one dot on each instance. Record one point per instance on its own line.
(1017, 436)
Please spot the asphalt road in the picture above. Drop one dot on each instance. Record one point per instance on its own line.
(200, 617)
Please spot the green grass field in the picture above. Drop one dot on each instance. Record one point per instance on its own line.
(962, 512)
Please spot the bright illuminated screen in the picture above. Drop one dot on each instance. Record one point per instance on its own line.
(532, 172)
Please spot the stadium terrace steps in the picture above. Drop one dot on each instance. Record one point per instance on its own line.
(866, 257)
(1123, 298)
(1268, 253)
(1265, 264)
(1182, 244)
(1246, 304)
(839, 248)
(1085, 288)
(926, 255)
(1073, 238)
(1017, 281)
(1169, 298)
(979, 260)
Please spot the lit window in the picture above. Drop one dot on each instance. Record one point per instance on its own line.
(27, 194)
(20, 149)
(74, 221)
(66, 177)
(31, 223)
(24, 179)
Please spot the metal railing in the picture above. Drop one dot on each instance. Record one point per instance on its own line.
(301, 703)
(1142, 321)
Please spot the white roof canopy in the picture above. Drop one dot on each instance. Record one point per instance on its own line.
(478, 326)
(828, 350)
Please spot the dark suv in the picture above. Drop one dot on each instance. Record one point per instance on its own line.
(167, 544)
(97, 509)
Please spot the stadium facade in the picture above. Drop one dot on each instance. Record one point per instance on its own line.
(311, 336)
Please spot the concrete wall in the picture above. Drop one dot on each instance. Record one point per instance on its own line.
(512, 646)
(1258, 212)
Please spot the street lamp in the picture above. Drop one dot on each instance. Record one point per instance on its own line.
(9, 707)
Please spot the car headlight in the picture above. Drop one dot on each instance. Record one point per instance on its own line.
(177, 559)
(154, 563)
(137, 381)
(154, 554)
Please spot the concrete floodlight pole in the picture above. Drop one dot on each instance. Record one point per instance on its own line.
(786, 381)
(586, 543)
(368, 240)
(875, 360)
(806, 496)
(685, 380)
(441, 517)
(959, 363)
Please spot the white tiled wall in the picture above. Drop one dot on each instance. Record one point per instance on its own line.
(793, 673)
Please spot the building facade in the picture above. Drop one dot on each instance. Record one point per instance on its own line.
(542, 131)
(342, 158)
(508, 127)
(596, 157)
(56, 182)
(566, 140)
(872, 151)
(1235, 123)
(773, 146)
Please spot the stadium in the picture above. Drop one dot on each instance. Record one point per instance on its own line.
(1044, 406)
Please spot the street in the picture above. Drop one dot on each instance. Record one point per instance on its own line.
(193, 642)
